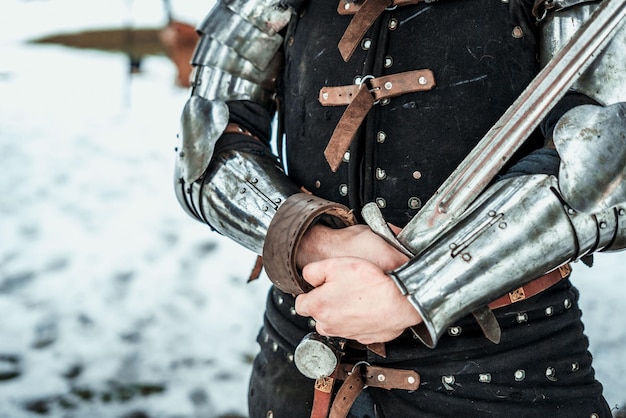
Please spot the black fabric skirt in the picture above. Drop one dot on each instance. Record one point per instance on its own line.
(541, 367)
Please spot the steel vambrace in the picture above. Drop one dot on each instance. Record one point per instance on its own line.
(519, 230)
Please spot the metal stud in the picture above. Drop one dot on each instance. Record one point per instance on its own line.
(292, 311)
(448, 381)
(388, 85)
(381, 137)
(422, 81)
(417, 175)
(455, 331)
(594, 415)
(519, 375)
(343, 189)
(380, 377)
(274, 346)
(410, 379)
(325, 96)
(622, 212)
(280, 300)
(312, 323)
(575, 366)
(346, 156)
(522, 317)
(393, 24)
(290, 358)
(269, 414)
(517, 32)
(366, 44)
(415, 203)
(318, 184)
(381, 202)
(385, 102)
(466, 257)
(567, 303)
(551, 374)
(388, 61)
(381, 174)
(484, 378)
(549, 311)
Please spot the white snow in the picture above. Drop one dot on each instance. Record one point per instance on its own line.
(102, 275)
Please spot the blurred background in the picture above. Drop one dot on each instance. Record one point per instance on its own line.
(113, 302)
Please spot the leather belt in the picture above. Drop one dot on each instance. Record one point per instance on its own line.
(388, 378)
(356, 377)
(360, 98)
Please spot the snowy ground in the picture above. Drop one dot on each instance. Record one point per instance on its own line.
(113, 302)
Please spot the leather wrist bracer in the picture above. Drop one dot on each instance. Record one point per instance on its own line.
(291, 221)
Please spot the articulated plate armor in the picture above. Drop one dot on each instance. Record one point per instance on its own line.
(237, 58)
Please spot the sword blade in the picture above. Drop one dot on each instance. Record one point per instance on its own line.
(479, 168)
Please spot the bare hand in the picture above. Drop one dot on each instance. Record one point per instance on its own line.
(354, 298)
(322, 242)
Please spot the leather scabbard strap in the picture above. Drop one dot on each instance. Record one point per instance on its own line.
(291, 221)
(356, 378)
(360, 100)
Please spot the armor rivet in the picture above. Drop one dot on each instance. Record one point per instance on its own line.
(346, 6)
(266, 337)
(388, 85)
(466, 257)
(381, 174)
(551, 374)
(381, 377)
(422, 81)
(447, 382)
(504, 1)
(484, 377)
(290, 358)
(384, 102)
(567, 303)
(571, 211)
(520, 375)
(492, 213)
(325, 96)
(411, 380)
(254, 181)
(278, 200)
(312, 323)
(388, 61)
(274, 347)
(522, 317)
(393, 23)
(357, 79)
(622, 212)
(269, 414)
(366, 44)
(318, 184)
(502, 225)
(594, 415)
(266, 208)
(454, 331)
(381, 137)
(292, 311)
(346, 156)
(415, 203)
(417, 175)
(243, 190)
(602, 225)
(453, 246)
(343, 189)
(517, 32)
(575, 367)
(280, 300)
(549, 311)
(382, 203)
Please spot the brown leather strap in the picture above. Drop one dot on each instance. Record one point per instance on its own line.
(360, 23)
(291, 221)
(360, 100)
(347, 394)
(235, 128)
(382, 87)
(533, 288)
(348, 125)
(322, 397)
(347, 7)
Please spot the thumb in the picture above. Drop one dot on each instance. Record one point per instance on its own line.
(315, 273)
